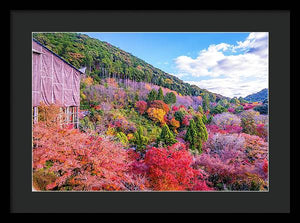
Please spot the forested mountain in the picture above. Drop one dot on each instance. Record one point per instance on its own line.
(259, 96)
(105, 60)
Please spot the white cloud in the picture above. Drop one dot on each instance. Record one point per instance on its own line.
(250, 61)
(231, 86)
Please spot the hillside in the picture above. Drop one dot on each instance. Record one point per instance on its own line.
(134, 134)
(259, 96)
(105, 60)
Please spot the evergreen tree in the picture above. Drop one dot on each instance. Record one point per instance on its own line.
(200, 109)
(204, 119)
(205, 102)
(224, 103)
(209, 120)
(139, 139)
(196, 134)
(191, 135)
(212, 97)
(166, 137)
(218, 109)
(170, 98)
(201, 129)
(239, 109)
(235, 101)
(160, 95)
(179, 115)
(242, 100)
(122, 138)
(152, 95)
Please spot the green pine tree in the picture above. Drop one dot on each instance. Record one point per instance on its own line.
(204, 119)
(160, 95)
(122, 138)
(205, 102)
(166, 137)
(139, 139)
(191, 135)
(201, 129)
(200, 109)
(170, 98)
(196, 134)
(152, 95)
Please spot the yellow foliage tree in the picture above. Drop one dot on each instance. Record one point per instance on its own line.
(88, 81)
(157, 115)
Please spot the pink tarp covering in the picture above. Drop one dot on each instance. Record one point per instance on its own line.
(53, 80)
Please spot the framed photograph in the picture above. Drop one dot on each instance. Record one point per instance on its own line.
(150, 112)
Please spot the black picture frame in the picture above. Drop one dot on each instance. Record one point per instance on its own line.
(24, 22)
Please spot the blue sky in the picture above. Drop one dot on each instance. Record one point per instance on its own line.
(232, 64)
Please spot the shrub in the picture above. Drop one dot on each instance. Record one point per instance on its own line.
(226, 119)
(235, 161)
(255, 147)
(41, 178)
(249, 126)
(212, 129)
(249, 114)
(239, 109)
(261, 119)
(50, 115)
(118, 121)
(169, 169)
(231, 110)
(80, 161)
(174, 108)
(218, 142)
(218, 109)
(262, 131)
(248, 106)
(141, 106)
(262, 109)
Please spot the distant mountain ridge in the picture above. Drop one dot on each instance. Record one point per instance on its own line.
(258, 97)
(102, 59)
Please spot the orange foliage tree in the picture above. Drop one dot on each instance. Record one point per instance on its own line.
(50, 115)
(174, 124)
(159, 104)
